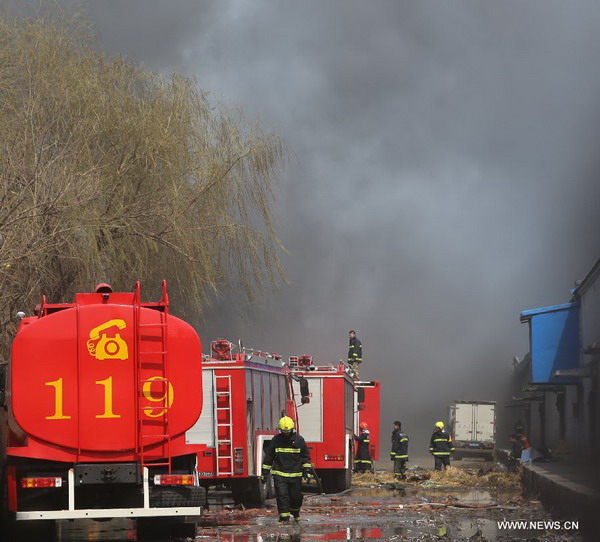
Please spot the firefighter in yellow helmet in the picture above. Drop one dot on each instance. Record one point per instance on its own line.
(288, 460)
(441, 446)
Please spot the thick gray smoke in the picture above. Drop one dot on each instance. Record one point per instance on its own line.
(443, 175)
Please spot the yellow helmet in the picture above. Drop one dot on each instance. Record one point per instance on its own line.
(286, 424)
(440, 425)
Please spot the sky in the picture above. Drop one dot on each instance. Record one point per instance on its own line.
(442, 173)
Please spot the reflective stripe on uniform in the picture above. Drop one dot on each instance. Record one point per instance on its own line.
(401, 456)
(266, 467)
(287, 450)
(284, 515)
(362, 461)
(440, 453)
(306, 465)
(287, 474)
(404, 440)
(366, 440)
(440, 440)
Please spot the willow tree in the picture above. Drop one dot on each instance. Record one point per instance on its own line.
(111, 172)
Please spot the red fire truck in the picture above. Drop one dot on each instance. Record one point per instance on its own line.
(327, 420)
(245, 394)
(368, 410)
(100, 395)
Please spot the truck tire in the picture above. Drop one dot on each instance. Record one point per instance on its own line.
(269, 488)
(347, 479)
(252, 492)
(171, 497)
(335, 480)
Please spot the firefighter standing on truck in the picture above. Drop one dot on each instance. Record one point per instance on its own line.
(354, 352)
(362, 460)
(399, 453)
(288, 460)
(441, 446)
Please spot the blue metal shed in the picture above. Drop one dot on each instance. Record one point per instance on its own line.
(554, 341)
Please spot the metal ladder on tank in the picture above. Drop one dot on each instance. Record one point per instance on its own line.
(223, 426)
(145, 422)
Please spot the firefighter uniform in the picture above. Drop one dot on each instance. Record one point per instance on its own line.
(399, 453)
(354, 353)
(287, 458)
(441, 446)
(362, 460)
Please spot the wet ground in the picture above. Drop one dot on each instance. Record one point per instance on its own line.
(383, 514)
(363, 513)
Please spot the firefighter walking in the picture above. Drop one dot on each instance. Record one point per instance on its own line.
(288, 460)
(441, 446)
(399, 453)
(354, 352)
(362, 460)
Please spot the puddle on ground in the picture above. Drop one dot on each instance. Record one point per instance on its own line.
(410, 528)
(389, 526)
(334, 521)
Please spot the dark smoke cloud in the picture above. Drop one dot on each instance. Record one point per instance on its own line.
(443, 175)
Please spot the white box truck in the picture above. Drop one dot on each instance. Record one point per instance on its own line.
(473, 429)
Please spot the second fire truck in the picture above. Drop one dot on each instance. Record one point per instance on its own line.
(245, 394)
(329, 419)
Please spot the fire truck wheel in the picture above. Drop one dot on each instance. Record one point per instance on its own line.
(335, 480)
(348, 480)
(269, 488)
(253, 492)
(166, 497)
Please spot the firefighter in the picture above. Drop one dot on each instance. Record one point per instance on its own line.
(288, 460)
(441, 446)
(362, 460)
(399, 453)
(354, 352)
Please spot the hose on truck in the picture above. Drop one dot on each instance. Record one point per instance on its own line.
(317, 479)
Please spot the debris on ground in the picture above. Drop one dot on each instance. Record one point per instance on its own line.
(451, 477)
(454, 477)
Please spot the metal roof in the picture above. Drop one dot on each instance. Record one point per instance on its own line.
(526, 315)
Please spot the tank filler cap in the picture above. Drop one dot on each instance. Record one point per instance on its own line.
(103, 288)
